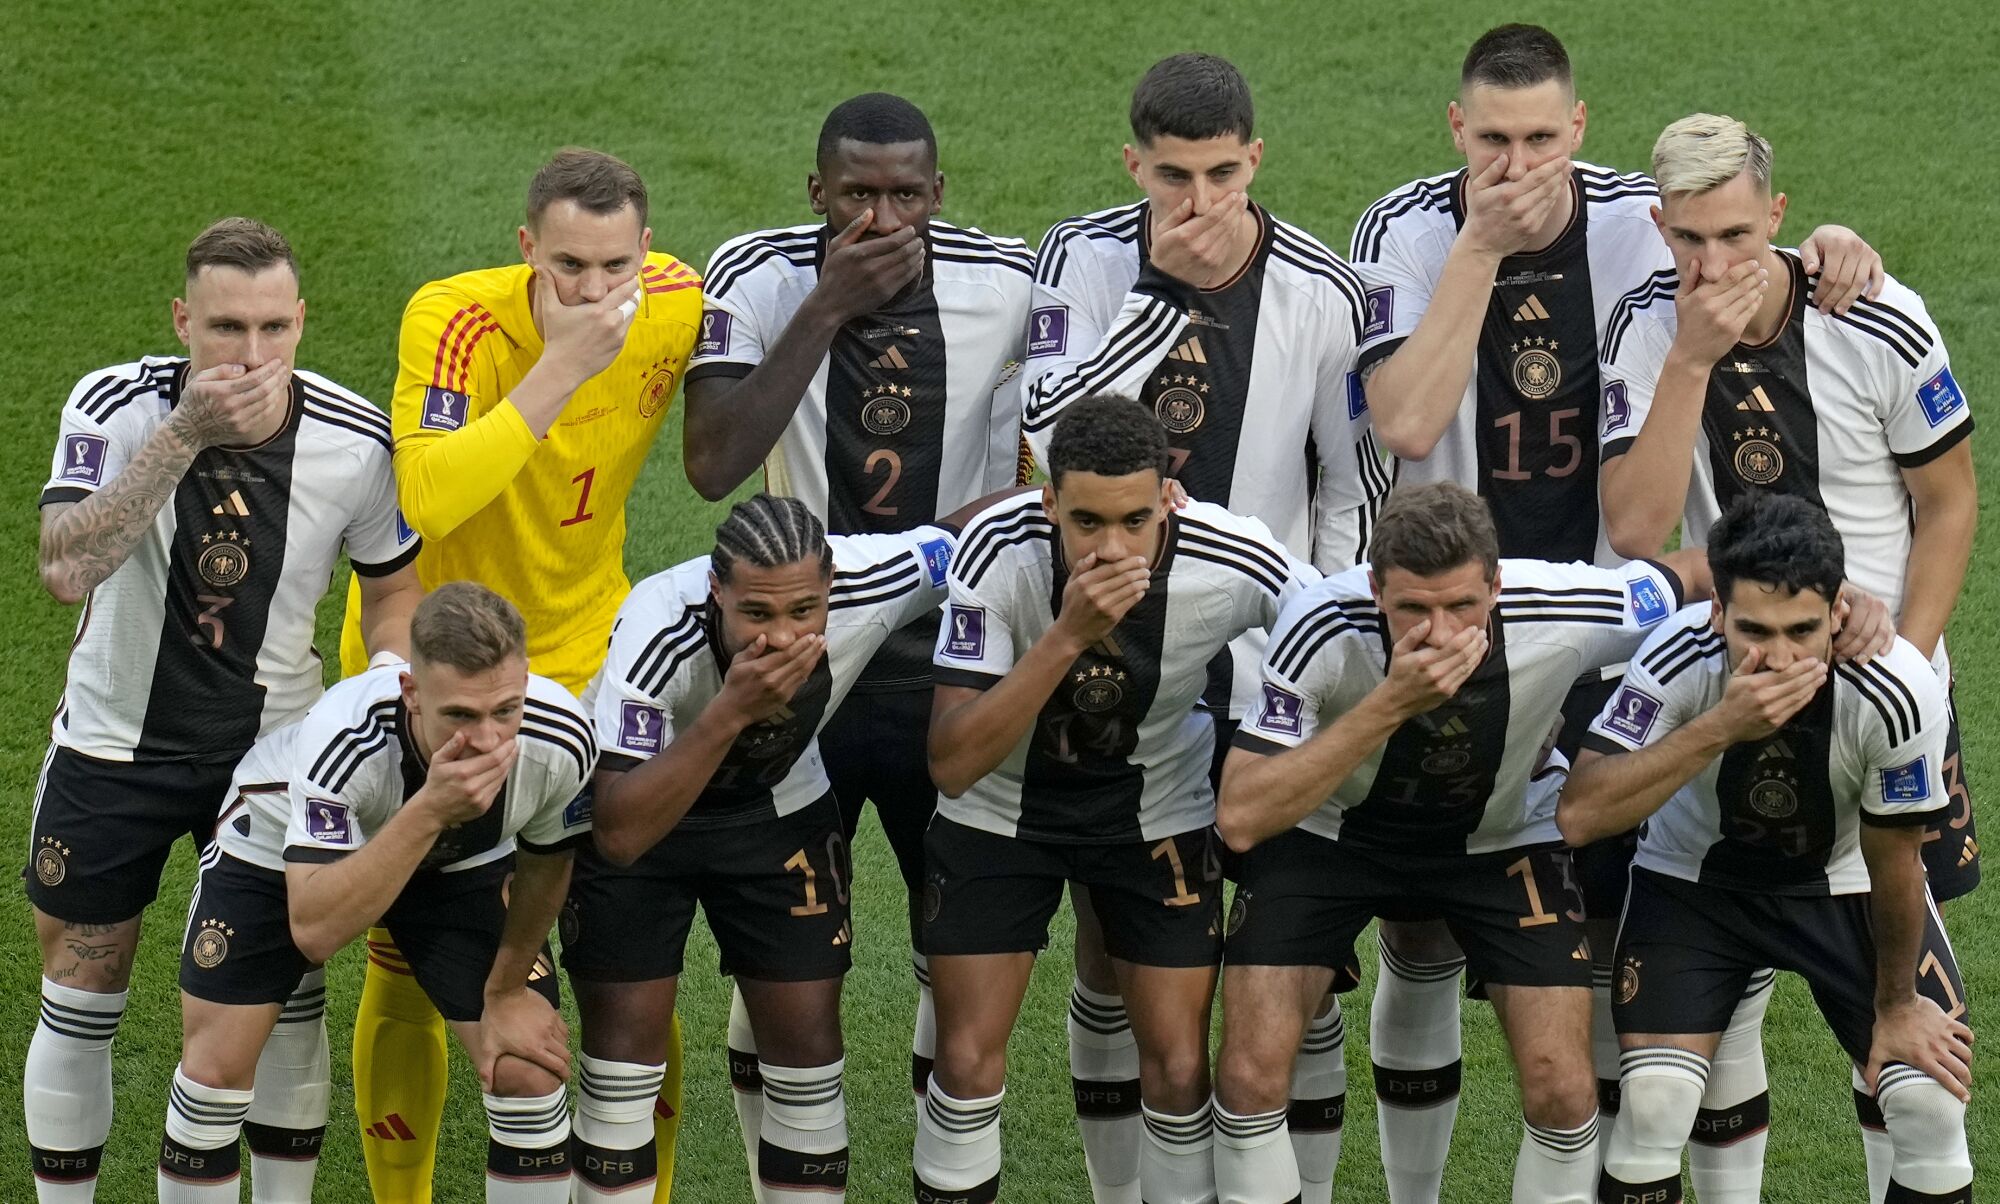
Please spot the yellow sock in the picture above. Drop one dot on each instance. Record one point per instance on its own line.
(667, 1116)
(398, 1033)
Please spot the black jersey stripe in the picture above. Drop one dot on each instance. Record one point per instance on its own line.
(1270, 557)
(976, 573)
(653, 667)
(1148, 337)
(1657, 658)
(1691, 655)
(1896, 319)
(887, 593)
(1054, 256)
(1891, 720)
(376, 719)
(898, 575)
(563, 738)
(1661, 284)
(1366, 244)
(1357, 612)
(1317, 637)
(1026, 512)
(1194, 551)
(563, 717)
(734, 262)
(1253, 558)
(1869, 325)
(114, 390)
(353, 404)
(314, 412)
(1012, 252)
(852, 578)
(1898, 693)
(942, 255)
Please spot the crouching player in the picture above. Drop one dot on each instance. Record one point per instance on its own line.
(1784, 798)
(398, 800)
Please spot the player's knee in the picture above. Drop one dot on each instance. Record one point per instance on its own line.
(100, 962)
(967, 1068)
(217, 1064)
(1558, 1091)
(1919, 1108)
(1658, 1110)
(1250, 1081)
(1175, 1079)
(517, 1078)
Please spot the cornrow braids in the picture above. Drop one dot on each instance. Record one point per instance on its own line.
(765, 532)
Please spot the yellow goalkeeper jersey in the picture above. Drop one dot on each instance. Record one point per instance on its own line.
(541, 522)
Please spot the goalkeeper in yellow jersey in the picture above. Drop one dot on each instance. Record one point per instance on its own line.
(526, 400)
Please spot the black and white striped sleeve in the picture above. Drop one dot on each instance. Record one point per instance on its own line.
(1903, 717)
(340, 779)
(555, 724)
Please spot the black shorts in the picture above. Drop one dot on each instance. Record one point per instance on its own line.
(1686, 952)
(1951, 845)
(448, 927)
(1159, 901)
(1516, 913)
(775, 893)
(1601, 866)
(238, 946)
(103, 829)
(876, 748)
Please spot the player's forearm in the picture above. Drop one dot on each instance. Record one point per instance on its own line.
(636, 809)
(731, 426)
(1608, 794)
(972, 739)
(387, 603)
(443, 480)
(541, 881)
(1940, 548)
(1644, 491)
(1414, 395)
(1896, 907)
(545, 391)
(84, 544)
(331, 904)
(1264, 796)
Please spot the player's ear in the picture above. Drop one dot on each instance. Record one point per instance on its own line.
(1049, 497)
(937, 195)
(645, 243)
(1578, 121)
(408, 682)
(1454, 116)
(1256, 155)
(180, 311)
(816, 193)
(527, 241)
(1778, 204)
(1132, 165)
(1715, 615)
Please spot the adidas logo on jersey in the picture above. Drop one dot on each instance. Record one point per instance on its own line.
(1757, 402)
(1777, 748)
(1532, 310)
(232, 505)
(390, 1128)
(1189, 352)
(892, 358)
(1455, 726)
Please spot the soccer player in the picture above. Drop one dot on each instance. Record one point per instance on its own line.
(1785, 799)
(871, 361)
(721, 673)
(1066, 740)
(399, 800)
(196, 505)
(1239, 330)
(1400, 763)
(1736, 382)
(1487, 287)
(527, 398)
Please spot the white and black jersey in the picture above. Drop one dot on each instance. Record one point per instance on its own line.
(916, 408)
(1832, 409)
(1526, 437)
(202, 639)
(667, 662)
(1119, 752)
(318, 789)
(1253, 380)
(1782, 815)
(1479, 773)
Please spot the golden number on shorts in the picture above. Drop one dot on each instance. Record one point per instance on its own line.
(836, 864)
(1181, 897)
(895, 462)
(812, 907)
(1954, 789)
(1931, 965)
(1536, 917)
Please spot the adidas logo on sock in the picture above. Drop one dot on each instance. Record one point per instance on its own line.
(390, 1128)
(1531, 310)
(1189, 352)
(892, 358)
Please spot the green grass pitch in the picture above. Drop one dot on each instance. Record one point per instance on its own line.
(394, 142)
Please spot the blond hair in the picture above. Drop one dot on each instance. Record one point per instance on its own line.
(467, 626)
(1707, 151)
(242, 243)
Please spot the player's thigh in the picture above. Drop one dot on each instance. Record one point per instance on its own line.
(796, 1023)
(629, 923)
(1516, 914)
(625, 1021)
(1840, 967)
(1093, 963)
(776, 894)
(1685, 955)
(1425, 942)
(1265, 1011)
(449, 927)
(1951, 844)
(1158, 902)
(1548, 1033)
(985, 893)
(513, 1078)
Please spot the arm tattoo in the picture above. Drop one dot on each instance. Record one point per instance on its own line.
(87, 542)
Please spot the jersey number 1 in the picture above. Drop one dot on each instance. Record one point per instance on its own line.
(586, 478)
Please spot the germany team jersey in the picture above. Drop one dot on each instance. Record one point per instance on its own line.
(1478, 773)
(1526, 437)
(667, 662)
(1782, 815)
(1119, 752)
(915, 409)
(1832, 410)
(202, 639)
(319, 789)
(541, 522)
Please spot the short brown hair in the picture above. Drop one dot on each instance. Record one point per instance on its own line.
(240, 242)
(597, 182)
(1432, 529)
(467, 626)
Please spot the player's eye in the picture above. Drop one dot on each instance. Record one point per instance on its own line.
(571, 265)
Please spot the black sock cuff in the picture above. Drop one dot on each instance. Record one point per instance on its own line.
(1898, 1194)
(295, 1145)
(1727, 1126)
(743, 1072)
(1659, 1191)
(66, 1166)
(1325, 1115)
(797, 1170)
(514, 1162)
(1610, 1093)
(920, 1074)
(609, 1169)
(1868, 1112)
(197, 1165)
(1105, 1099)
(985, 1193)
(1417, 1088)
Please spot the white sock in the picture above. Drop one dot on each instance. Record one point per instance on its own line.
(746, 1086)
(957, 1152)
(527, 1149)
(1253, 1161)
(1927, 1128)
(613, 1150)
(287, 1124)
(923, 1038)
(1876, 1147)
(1603, 1043)
(1660, 1091)
(1319, 1104)
(1413, 1036)
(1104, 1073)
(1726, 1149)
(1557, 1166)
(66, 1090)
(1177, 1165)
(200, 1162)
(802, 1153)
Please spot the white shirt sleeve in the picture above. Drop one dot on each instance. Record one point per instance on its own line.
(975, 644)
(1904, 727)
(95, 439)
(1924, 409)
(632, 708)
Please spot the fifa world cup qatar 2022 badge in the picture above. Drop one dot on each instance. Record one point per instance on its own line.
(83, 458)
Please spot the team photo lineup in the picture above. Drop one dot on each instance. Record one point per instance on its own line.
(1547, 587)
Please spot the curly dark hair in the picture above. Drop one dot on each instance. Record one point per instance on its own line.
(1776, 539)
(1109, 436)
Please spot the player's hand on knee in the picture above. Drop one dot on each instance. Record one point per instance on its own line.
(861, 274)
(1422, 675)
(462, 782)
(762, 679)
(1759, 701)
(1099, 594)
(521, 1024)
(1918, 1033)
(1503, 216)
(1848, 268)
(587, 336)
(231, 404)
(1194, 248)
(1710, 316)
(1863, 627)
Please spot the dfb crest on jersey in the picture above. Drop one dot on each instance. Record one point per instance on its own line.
(659, 389)
(1632, 714)
(223, 563)
(51, 862)
(1179, 409)
(883, 412)
(1775, 797)
(714, 337)
(1537, 372)
(1649, 605)
(965, 632)
(1098, 689)
(83, 458)
(1758, 458)
(1048, 331)
(444, 410)
(1907, 783)
(1940, 397)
